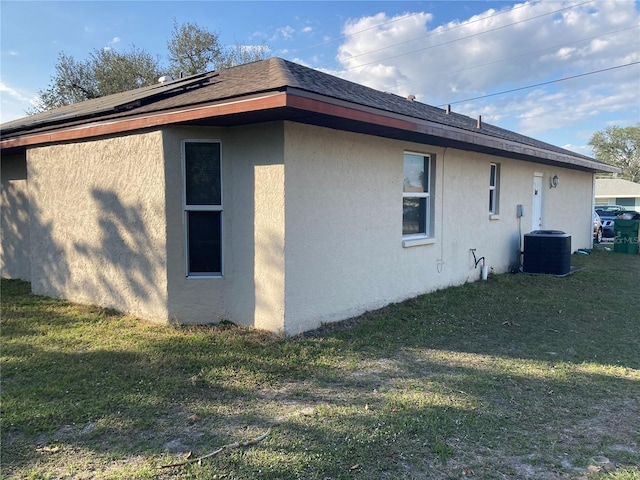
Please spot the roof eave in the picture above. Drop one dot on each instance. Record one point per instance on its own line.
(315, 109)
(140, 122)
(449, 135)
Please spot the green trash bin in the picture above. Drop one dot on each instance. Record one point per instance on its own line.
(627, 233)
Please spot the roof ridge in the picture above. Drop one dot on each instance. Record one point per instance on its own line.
(279, 68)
(272, 75)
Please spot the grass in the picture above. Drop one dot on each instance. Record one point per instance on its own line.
(517, 377)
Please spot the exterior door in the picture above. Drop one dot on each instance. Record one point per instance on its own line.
(536, 212)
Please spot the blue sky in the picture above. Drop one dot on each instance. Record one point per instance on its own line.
(443, 52)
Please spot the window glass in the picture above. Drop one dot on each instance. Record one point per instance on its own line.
(414, 215)
(203, 208)
(202, 170)
(494, 172)
(416, 177)
(416, 202)
(204, 232)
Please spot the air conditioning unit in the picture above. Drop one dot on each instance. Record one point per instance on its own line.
(547, 251)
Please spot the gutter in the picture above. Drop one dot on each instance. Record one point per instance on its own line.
(119, 125)
(487, 143)
(309, 103)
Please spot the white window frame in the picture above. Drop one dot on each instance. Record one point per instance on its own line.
(426, 237)
(494, 190)
(201, 208)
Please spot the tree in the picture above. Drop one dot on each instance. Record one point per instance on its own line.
(116, 72)
(72, 83)
(620, 147)
(241, 54)
(103, 73)
(192, 49)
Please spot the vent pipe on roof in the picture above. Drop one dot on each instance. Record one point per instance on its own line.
(448, 110)
(411, 98)
(479, 121)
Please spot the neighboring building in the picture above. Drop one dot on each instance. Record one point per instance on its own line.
(616, 191)
(274, 196)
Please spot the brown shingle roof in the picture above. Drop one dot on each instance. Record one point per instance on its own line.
(102, 106)
(276, 75)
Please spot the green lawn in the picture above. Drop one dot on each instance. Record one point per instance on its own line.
(518, 377)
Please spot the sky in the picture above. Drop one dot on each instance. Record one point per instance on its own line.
(555, 70)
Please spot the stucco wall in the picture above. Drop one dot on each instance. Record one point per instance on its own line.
(344, 252)
(98, 227)
(312, 223)
(251, 290)
(568, 207)
(15, 251)
(341, 192)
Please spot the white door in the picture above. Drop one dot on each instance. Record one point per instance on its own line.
(536, 213)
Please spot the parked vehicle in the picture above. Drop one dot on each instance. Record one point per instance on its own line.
(597, 227)
(608, 214)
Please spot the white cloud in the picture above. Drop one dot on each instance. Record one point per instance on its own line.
(12, 92)
(581, 149)
(6, 89)
(110, 45)
(518, 46)
(285, 32)
(14, 102)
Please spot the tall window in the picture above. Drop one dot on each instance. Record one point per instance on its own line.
(416, 196)
(203, 207)
(494, 184)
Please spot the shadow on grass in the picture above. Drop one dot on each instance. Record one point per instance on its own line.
(590, 316)
(471, 374)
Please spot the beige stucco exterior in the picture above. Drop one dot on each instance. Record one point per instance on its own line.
(98, 223)
(344, 251)
(251, 290)
(312, 223)
(15, 251)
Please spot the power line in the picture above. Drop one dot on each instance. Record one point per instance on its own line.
(341, 37)
(463, 38)
(541, 84)
(471, 67)
(475, 35)
(433, 33)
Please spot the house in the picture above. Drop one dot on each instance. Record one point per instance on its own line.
(616, 191)
(273, 195)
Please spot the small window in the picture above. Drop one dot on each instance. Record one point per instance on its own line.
(416, 196)
(494, 188)
(203, 207)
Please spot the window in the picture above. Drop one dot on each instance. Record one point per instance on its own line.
(494, 188)
(202, 194)
(416, 195)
